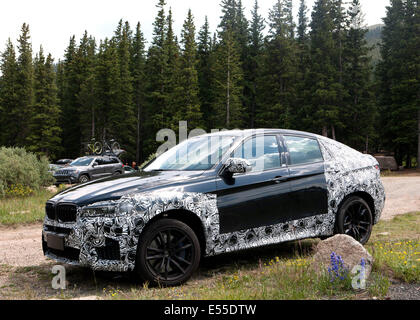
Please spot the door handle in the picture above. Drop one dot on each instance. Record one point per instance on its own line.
(279, 179)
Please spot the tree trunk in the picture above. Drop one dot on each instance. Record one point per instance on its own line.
(418, 120)
(333, 132)
(367, 145)
(325, 131)
(228, 94)
(93, 122)
(138, 135)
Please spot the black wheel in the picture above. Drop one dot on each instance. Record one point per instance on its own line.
(355, 219)
(84, 179)
(168, 253)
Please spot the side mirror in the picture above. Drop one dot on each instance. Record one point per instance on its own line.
(236, 165)
(95, 164)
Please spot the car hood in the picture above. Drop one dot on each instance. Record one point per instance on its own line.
(116, 187)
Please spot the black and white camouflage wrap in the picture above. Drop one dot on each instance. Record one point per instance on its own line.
(235, 165)
(348, 171)
(123, 221)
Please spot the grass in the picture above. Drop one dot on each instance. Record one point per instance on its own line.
(24, 210)
(281, 272)
(395, 245)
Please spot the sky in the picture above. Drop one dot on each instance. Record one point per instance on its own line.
(53, 22)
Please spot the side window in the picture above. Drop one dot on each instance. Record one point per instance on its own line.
(100, 161)
(107, 161)
(262, 152)
(303, 150)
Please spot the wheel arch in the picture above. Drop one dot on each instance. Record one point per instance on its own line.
(365, 196)
(187, 217)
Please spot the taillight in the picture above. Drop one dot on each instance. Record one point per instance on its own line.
(378, 168)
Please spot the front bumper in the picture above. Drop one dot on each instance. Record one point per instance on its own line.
(97, 243)
(66, 179)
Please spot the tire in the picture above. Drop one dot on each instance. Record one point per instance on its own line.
(115, 147)
(84, 179)
(97, 148)
(355, 219)
(167, 263)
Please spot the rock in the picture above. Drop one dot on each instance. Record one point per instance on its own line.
(52, 189)
(350, 250)
(387, 163)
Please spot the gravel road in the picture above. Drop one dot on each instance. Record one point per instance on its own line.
(21, 246)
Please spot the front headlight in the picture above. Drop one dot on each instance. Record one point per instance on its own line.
(108, 209)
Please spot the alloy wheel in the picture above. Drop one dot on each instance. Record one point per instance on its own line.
(358, 221)
(170, 254)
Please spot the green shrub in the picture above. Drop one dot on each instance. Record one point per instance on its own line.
(22, 172)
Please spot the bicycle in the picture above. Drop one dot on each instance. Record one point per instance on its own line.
(114, 148)
(95, 147)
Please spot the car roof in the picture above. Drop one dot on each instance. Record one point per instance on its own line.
(250, 132)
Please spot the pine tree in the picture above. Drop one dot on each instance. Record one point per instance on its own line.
(339, 33)
(108, 89)
(277, 99)
(304, 64)
(44, 134)
(124, 114)
(227, 106)
(156, 70)
(87, 98)
(173, 88)
(189, 102)
(24, 89)
(359, 113)
(9, 100)
(205, 75)
(254, 61)
(138, 71)
(323, 110)
(302, 29)
(397, 120)
(70, 116)
(228, 19)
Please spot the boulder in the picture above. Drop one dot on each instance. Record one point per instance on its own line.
(52, 189)
(350, 250)
(387, 163)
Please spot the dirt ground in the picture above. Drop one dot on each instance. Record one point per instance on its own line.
(21, 246)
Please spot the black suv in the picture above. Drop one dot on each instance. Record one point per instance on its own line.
(215, 194)
(85, 169)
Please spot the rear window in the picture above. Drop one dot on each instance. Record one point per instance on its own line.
(303, 150)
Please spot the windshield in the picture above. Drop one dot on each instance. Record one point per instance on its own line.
(82, 162)
(196, 154)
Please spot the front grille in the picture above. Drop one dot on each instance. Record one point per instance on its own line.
(50, 211)
(111, 251)
(62, 212)
(68, 253)
(66, 213)
(62, 173)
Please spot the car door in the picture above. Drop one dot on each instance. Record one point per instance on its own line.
(98, 171)
(308, 184)
(108, 167)
(258, 198)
